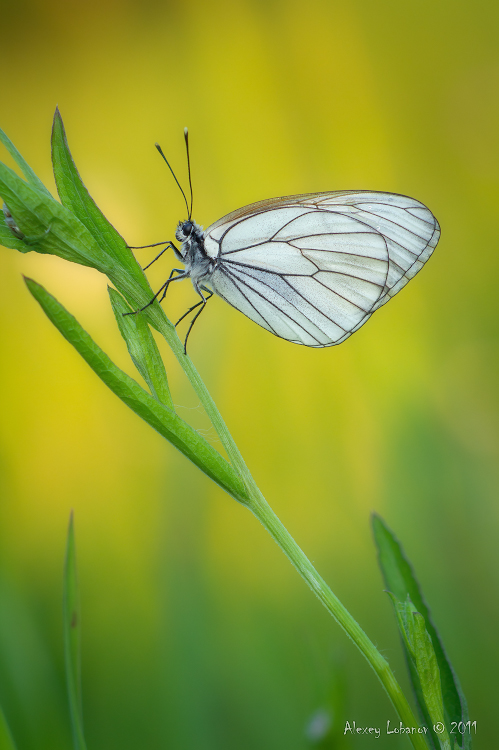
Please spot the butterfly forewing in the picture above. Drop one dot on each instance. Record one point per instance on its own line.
(312, 268)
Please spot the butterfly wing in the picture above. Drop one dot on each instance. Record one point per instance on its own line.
(313, 268)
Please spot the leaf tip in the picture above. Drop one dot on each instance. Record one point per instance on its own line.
(57, 124)
(376, 522)
(70, 537)
(30, 283)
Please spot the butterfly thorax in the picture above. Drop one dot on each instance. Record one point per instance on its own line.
(192, 252)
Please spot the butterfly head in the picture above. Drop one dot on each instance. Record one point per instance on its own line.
(187, 231)
(184, 230)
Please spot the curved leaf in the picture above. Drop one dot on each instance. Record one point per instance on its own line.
(401, 581)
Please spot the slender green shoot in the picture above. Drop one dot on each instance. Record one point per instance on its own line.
(72, 640)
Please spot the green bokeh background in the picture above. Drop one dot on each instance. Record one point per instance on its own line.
(197, 633)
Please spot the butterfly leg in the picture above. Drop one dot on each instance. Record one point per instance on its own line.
(182, 275)
(203, 302)
(168, 244)
(143, 247)
(164, 289)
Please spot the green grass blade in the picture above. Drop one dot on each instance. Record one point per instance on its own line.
(22, 164)
(400, 580)
(419, 647)
(142, 348)
(72, 639)
(34, 211)
(6, 739)
(75, 196)
(162, 419)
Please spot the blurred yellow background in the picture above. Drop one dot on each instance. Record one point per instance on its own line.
(197, 633)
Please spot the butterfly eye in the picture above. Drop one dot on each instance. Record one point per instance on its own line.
(187, 227)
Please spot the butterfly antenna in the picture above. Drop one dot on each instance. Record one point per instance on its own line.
(174, 177)
(186, 136)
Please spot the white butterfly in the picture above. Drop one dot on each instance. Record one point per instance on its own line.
(309, 268)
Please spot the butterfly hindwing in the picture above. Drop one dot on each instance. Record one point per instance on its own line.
(313, 268)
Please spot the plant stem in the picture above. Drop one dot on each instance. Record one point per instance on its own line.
(262, 510)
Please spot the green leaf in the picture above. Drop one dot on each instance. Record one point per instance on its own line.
(162, 419)
(429, 675)
(142, 348)
(72, 639)
(400, 580)
(34, 211)
(75, 196)
(422, 654)
(6, 740)
(404, 612)
(125, 273)
(23, 165)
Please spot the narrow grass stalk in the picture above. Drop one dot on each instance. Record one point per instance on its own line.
(72, 635)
